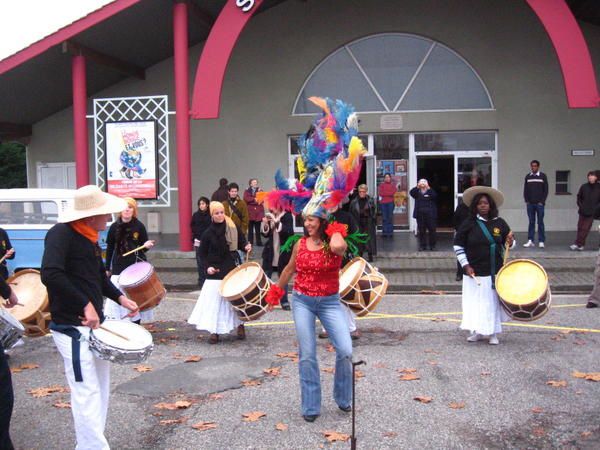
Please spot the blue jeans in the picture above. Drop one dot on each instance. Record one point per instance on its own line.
(329, 311)
(534, 209)
(387, 215)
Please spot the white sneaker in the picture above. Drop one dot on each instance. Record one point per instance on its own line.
(529, 244)
(580, 248)
(541, 245)
(474, 337)
(494, 340)
(574, 247)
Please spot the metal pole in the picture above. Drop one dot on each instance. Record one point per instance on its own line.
(353, 438)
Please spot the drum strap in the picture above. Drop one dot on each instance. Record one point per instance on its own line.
(75, 336)
(492, 242)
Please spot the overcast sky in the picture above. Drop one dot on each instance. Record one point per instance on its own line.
(27, 21)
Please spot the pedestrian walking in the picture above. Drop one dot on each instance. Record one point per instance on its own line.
(200, 223)
(535, 192)
(237, 209)
(588, 202)
(386, 191)
(222, 192)
(256, 212)
(425, 212)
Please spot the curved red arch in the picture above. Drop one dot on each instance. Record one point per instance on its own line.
(206, 98)
(571, 48)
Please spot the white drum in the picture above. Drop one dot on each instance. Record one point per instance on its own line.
(121, 342)
(11, 329)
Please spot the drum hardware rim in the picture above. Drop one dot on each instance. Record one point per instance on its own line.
(548, 303)
(234, 271)
(137, 283)
(355, 279)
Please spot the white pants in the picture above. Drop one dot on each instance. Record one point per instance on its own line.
(351, 319)
(89, 398)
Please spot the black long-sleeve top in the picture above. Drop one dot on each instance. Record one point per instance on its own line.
(74, 274)
(5, 246)
(535, 188)
(123, 237)
(477, 247)
(4, 288)
(425, 202)
(215, 252)
(200, 223)
(588, 199)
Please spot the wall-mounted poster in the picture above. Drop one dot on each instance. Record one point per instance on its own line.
(131, 159)
(398, 169)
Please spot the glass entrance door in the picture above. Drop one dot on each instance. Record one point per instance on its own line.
(472, 170)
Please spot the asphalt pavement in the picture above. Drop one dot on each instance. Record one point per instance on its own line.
(519, 394)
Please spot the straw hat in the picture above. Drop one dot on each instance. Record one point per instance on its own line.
(91, 201)
(495, 194)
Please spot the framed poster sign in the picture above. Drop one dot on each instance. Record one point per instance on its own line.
(131, 159)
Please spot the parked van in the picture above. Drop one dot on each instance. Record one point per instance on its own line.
(27, 215)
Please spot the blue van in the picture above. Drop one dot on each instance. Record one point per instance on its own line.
(27, 215)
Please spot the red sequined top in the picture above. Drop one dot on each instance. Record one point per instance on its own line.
(317, 272)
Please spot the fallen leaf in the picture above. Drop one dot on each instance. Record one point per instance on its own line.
(565, 332)
(380, 365)
(409, 377)
(432, 363)
(330, 348)
(203, 426)
(457, 405)
(579, 342)
(193, 358)
(281, 427)
(46, 391)
(485, 373)
(253, 416)
(328, 370)
(66, 405)
(411, 370)
(390, 434)
(290, 355)
(578, 392)
(429, 292)
(15, 370)
(273, 371)
(359, 374)
(438, 319)
(537, 410)
(555, 383)
(251, 382)
(180, 404)
(423, 399)
(586, 434)
(539, 432)
(142, 368)
(333, 436)
(173, 421)
(430, 350)
(28, 366)
(215, 396)
(591, 376)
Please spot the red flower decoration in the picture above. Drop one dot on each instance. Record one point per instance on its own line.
(274, 295)
(336, 227)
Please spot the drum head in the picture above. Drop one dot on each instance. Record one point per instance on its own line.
(351, 273)
(10, 319)
(240, 279)
(521, 282)
(32, 294)
(135, 273)
(137, 336)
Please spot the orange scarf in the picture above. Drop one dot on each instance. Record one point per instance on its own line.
(85, 230)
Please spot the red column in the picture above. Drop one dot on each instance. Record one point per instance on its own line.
(182, 119)
(80, 131)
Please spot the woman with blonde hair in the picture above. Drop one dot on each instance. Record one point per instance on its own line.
(218, 249)
(125, 234)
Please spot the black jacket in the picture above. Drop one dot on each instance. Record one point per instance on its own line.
(5, 246)
(425, 203)
(200, 223)
(535, 188)
(214, 250)
(4, 289)
(461, 213)
(220, 195)
(74, 274)
(588, 200)
(123, 237)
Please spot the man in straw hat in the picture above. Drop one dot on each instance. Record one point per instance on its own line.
(479, 246)
(75, 276)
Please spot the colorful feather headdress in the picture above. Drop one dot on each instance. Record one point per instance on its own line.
(329, 163)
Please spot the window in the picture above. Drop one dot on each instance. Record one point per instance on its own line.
(563, 178)
(440, 142)
(28, 212)
(395, 72)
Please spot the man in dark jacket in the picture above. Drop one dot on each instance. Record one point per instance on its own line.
(6, 390)
(222, 193)
(236, 208)
(7, 251)
(535, 192)
(425, 212)
(588, 201)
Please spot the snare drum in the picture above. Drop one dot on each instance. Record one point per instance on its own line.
(522, 287)
(34, 310)
(142, 285)
(362, 286)
(11, 329)
(245, 287)
(135, 345)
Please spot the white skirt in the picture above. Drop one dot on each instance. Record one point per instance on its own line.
(112, 310)
(212, 312)
(481, 309)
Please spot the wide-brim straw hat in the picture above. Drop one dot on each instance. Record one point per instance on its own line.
(495, 194)
(92, 201)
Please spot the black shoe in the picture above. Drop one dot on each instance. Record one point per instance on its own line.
(345, 408)
(591, 305)
(285, 306)
(323, 335)
(458, 278)
(310, 418)
(422, 249)
(432, 248)
(370, 258)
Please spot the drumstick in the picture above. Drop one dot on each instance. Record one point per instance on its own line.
(133, 251)
(247, 256)
(113, 332)
(476, 279)
(506, 246)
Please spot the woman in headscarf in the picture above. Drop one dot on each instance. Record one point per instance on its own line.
(218, 250)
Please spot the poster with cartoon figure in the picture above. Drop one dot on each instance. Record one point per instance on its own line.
(131, 159)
